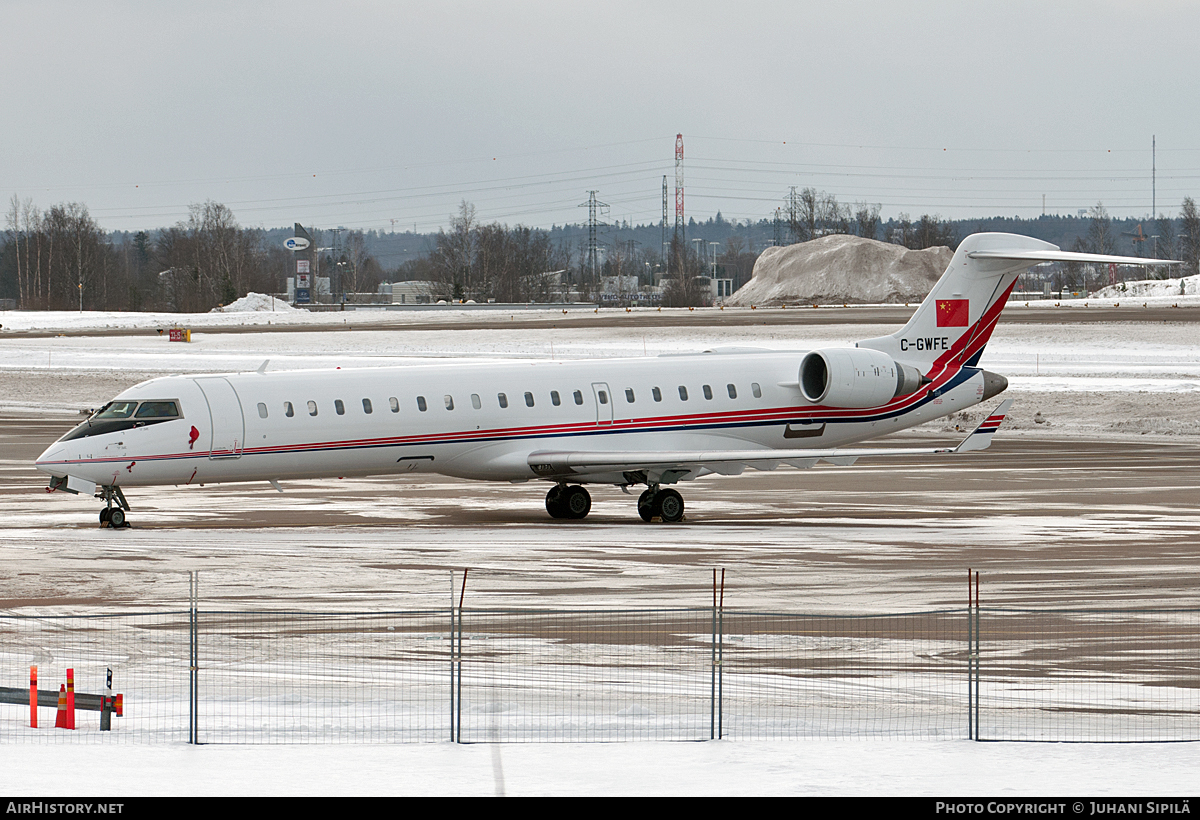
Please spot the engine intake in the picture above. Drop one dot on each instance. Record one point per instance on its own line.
(856, 377)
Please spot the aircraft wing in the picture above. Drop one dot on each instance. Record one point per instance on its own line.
(660, 464)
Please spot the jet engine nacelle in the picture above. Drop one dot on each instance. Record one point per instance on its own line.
(855, 377)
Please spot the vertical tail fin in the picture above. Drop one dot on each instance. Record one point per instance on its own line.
(957, 317)
(954, 323)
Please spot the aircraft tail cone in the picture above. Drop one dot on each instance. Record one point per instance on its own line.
(993, 384)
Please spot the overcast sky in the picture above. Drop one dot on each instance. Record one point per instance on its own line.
(381, 114)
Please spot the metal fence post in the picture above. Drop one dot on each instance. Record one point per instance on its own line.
(977, 658)
(193, 660)
(712, 694)
(452, 656)
(972, 655)
(721, 658)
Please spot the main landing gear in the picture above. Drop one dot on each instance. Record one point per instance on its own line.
(568, 502)
(666, 505)
(574, 502)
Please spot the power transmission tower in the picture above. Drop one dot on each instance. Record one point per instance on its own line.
(594, 207)
(777, 240)
(793, 213)
(679, 225)
(664, 220)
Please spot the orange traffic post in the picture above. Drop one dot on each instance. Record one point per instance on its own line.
(70, 698)
(60, 720)
(33, 704)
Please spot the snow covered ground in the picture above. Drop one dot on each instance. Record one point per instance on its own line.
(937, 769)
(1085, 379)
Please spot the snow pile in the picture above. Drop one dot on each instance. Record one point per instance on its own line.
(842, 269)
(256, 303)
(1151, 287)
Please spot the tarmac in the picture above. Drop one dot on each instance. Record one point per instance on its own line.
(1047, 521)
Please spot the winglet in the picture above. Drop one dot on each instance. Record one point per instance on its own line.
(981, 436)
(262, 368)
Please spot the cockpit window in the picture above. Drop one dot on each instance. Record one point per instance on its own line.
(116, 410)
(157, 410)
(125, 415)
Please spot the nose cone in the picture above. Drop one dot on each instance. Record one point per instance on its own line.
(48, 461)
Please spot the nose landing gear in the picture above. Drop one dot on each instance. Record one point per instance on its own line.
(113, 516)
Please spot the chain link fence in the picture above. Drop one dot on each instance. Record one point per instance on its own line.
(474, 675)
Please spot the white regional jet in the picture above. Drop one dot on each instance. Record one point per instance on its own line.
(652, 421)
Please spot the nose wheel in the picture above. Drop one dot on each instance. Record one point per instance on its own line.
(113, 517)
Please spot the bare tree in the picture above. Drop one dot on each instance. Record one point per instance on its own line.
(867, 221)
(1189, 237)
(1101, 235)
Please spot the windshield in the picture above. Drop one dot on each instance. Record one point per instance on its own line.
(116, 410)
(125, 415)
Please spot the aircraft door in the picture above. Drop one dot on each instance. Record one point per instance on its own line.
(225, 414)
(604, 402)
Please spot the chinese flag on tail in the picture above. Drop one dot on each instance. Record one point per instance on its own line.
(952, 312)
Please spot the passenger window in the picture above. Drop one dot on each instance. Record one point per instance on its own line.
(262, 410)
(503, 399)
(554, 398)
(682, 393)
(312, 408)
(657, 394)
(579, 397)
(529, 400)
(287, 409)
(708, 392)
(629, 395)
(421, 404)
(475, 402)
(367, 406)
(756, 390)
(731, 390)
(394, 403)
(603, 396)
(339, 407)
(449, 400)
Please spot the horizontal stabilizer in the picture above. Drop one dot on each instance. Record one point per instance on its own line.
(1035, 257)
(981, 437)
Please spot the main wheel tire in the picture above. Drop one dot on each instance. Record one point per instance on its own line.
(577, 502)
(646, 505)
(105, 515)
(554, 502)
(117, 519)
(669, 505)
